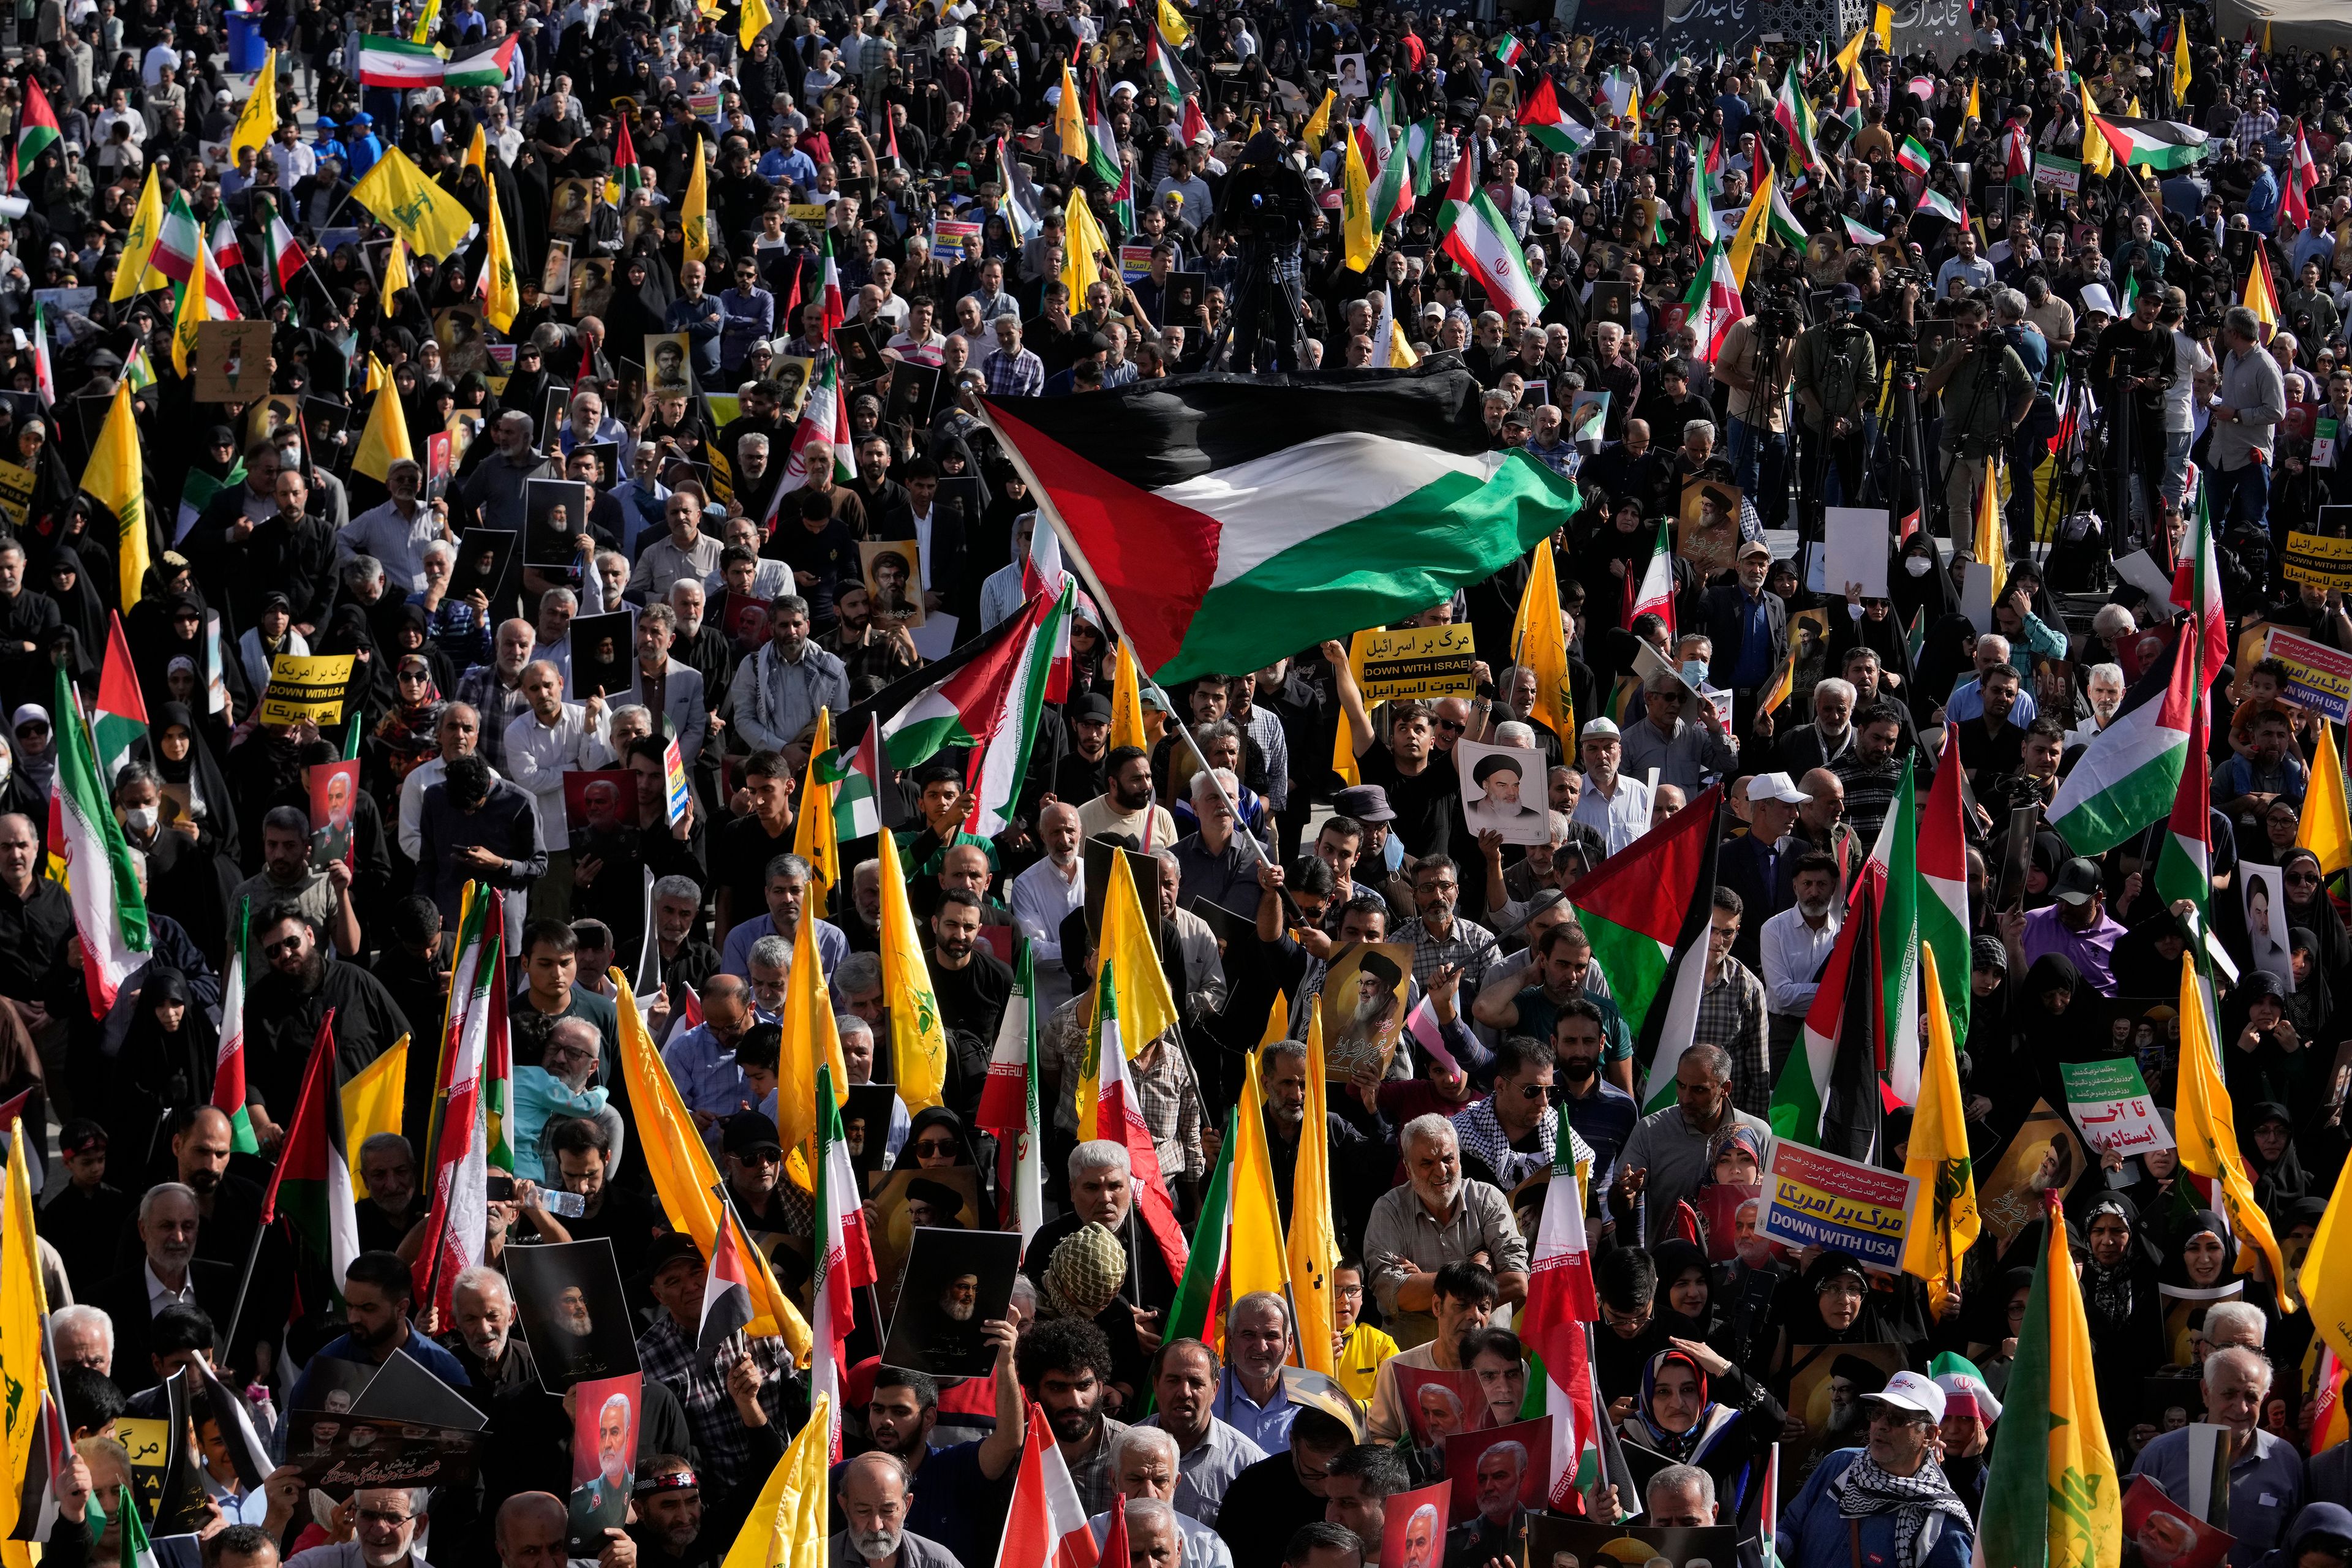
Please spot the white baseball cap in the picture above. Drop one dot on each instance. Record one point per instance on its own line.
(1776, 786)
(1913, 1391)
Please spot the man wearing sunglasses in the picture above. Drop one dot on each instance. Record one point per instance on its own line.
(1510, 1135)
(285, 1004)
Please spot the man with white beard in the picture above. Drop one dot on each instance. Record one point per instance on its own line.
(1043, 896)
(873, 1501)
(1794, 943)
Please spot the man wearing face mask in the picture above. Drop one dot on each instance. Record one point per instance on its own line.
(185, 877)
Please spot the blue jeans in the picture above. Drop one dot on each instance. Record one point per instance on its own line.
(2239, 495)
(1759, 458)
(2176, 464)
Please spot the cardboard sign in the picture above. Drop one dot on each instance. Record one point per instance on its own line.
(2314, 557)
(2110, 1102)
(306, 687)
(342, 1453)
(2317, 676)
(1499, 790)
(1134, 262)
(2059, 173)
(1422, 662)
(605, 1416)
(232, 360)
(334, 786)
(1812, 1198)
(573, 1313)
(1363, 1001)
(1856, 552)
(15, 491)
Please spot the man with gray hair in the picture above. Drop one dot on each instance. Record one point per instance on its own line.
(1102, 1192)
(1215, 863)
(1680, 1497)
(84, 1336)
(169, 1274)
(1679, 735)
(2245, 425)
(1146, 1465)
(1439, 1217)
(1669, 1153)
(776, 691)
(493, 494)
(2266, 1474)
(1252, 1397)
(671, 693)
(397, 532)
(482, 1305)
(385, 1523)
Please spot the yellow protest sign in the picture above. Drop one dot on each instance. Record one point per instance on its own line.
(1422, 662)
(15, 491)
(2317, 558)
(306, 687)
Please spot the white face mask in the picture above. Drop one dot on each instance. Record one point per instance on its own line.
(1917, 565)
(142, 819)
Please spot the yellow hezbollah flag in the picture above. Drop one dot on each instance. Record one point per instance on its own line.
(413, 206)
(2260, 297)
(1850, 56)
(2326, 829)
(1751, 229)
(1172, 26)
(370, 1100)
(1083, 246)
(1540, 644)
(1944, 1220)
(1988, 546)
(1314, 1245)
(694, 217)
(1255, 1256)
(684, 1176)
(919, 1040)
(2208, 1138)
(2327, 1278)
(1127, 702)
(1319, 123)
(502, 298)
(194, 311)
(115, 478)
(375, 372)
(1145, 1007)
(2180, 73)
(1882, 24)
(813, 838)
(2058, 50)
(385, 439)
(1975, 109)
(786, 1528)
(1356, 208)
(136, 273)
(396, 274)
(2098, 158)
(257, 120)
(811, 1038)
(22, 1304)
(1070, 124)
(477, 154)
(755, 20)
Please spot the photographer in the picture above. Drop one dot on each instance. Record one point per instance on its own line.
(1835, 373)
(1754, 364)
(1988, 393)
(2134, 363)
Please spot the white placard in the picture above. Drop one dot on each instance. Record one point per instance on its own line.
(1857, 540)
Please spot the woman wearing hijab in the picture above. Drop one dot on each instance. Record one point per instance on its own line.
(1697, 1409)
(2280, 1180)
(2310, 909)
(1871, 623)
(2264, 1057)
(369, 694)
(165, 1058)
(2147, 958)
(2119, 1293)
(405, 738)
(2047, 1029)
(66, 579)
(2195, 1275)
(1830, 1304)
(1946, 658)
(184, 767)
(2312, 1007)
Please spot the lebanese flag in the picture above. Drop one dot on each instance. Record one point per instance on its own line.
(726, 1292)
(1653, 592)
(1561, 1301)
(844, 1258)
(1047, 1525)
(1209, 515)
(286, 252)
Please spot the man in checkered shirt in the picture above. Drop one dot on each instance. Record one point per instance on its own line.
(1013, 371)
(730, 1399)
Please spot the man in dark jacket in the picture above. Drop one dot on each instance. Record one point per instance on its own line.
(283, 1010)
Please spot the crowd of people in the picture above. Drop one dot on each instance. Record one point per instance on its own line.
(771, 268)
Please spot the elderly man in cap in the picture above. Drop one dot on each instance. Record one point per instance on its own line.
(1750, 865)
(1747, 626)
(2077, 927)
(1612, 805)
(2267, 1483)
(731, 1399)
(1888, 1501)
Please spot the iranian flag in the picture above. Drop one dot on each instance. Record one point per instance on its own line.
(108, 911)
(313, 1179)
(2196, 588)
(1943, 880)
(484, 64)
(1009, 1106)
(1935, 201)
(119, 720)
(1405, 174)
(1667, 1032)
(726, 1290)
(1914, 159)
(1509, 50)
(2130, 773)
(470, 1101)
(1828, 1094)
(1652, 592)
(398, 63)
(854, 772)
(286, 252)
(1118, 1116)
(1045, 1527)
(1473, 234)
(2184, 865)
(36, 133)
(837, 313)
(1713, 304)
(1632, 908)
(843, 1260)
(1205, 1294)
(226, 250)
(228, 1056)
(1210, 515)
(2160, 144)
(1552, 124)
(1862, 233)
(179, 243)
(1102, 141)
(1894, 861)
(1782, 220)
(1561, 1301)
(1793, 112)
(44, 374)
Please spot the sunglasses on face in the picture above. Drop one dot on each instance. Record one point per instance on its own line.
(1451, 726)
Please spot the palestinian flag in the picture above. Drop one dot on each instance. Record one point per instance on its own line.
(2160, 144)
(1001, 762)
(854, 772)
(2130, 773)
(469, 1105)
(1102, 141)
(1828, 1096)
(313, 1179)
(119, 722)
(139, 371)
(1553, 123)
(1793, 112)
(482, 63)
(1632, 907)
(1473, 234)
(1932, 200)
(1669, 1031)
(1914, 159)
(1205, 1294)
(398, 63)
(196, 493)
(844, 1258)
(1943, 865)
(1176, 82)
(1861, 233)
(1510, 51)
(973, 706)
(1210, 514)
(1652, 592)
(36, 133)
(109, 913)
(228, 1056)
(726, 1290)
(2184, 864)
(627, 173)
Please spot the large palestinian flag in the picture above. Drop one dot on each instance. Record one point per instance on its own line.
(1210, 510)
(2152, 143)
(1555, 124)
(1633, 907)
(485, 64)
(2131, 771)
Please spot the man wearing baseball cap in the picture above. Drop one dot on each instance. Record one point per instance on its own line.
(1749, 629)
(2077, 927)
(1750, 863)
(1888, 1501)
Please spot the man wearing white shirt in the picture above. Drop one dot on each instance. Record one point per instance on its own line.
(1002, 596)
(397, 532)
(552, 738)
(457, 733)
(1795, 943)
(1616, 807)
(1043, 896)
(159, 56)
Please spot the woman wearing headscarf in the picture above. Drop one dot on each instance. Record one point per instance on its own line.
(1828, 1305)
(1876, 628)
(412, 633)
(2264, 1056)
(2119, 1293)
(67, 580)
(1946, 658)
(2280, 1180)
(164, 1059)
(1697, 1409)
(2147, 958)
(369, 693)
(2197, 1273)
(184, 766)
(2308, 908)
(935, 1142)
(405, 738)
(2312, 1007)
(2047, 1029)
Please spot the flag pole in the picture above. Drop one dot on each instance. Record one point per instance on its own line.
(236, 1316)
